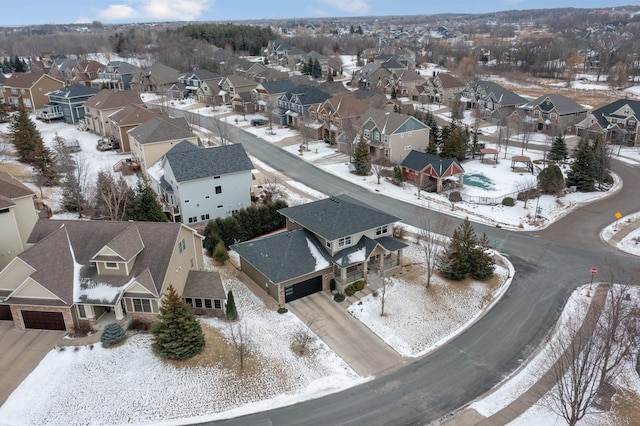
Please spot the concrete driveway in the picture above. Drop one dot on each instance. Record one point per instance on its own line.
(21, 351)
(358, 346)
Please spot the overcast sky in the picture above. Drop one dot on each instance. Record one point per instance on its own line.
(27, 12)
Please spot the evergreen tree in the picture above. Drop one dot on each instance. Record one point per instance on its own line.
(397, 174)
(72, 197)
(482, 263)
(551, 180)
(112, 334)
(4, 115)
(18, 64)
(145, 207)
(220, 254)
(316, 69)
(466, 255)
(329, 76)
(230, 309)
(177, 334)
(45, 164)
(558, 151)
(394, 95)
(24, 135)
(582, 174)
(361, 158)
(455, 144)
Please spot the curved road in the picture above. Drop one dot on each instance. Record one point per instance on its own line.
(549, 264)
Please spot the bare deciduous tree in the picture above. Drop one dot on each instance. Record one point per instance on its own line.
(526, 189)
(379, 165)
(302, 337)
(432, 236)
(272, 190)
(6, 148)
(241, 340)
(221, 128)
(111, 196)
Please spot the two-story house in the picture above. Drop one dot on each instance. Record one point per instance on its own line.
(155, 79)
(31, 89)
(439, 89)
(116, 75)
(67, 103)
(336, 238)
(210, 92)
(292, 105)
(100, 106)
(336, 114)
(392, 135)
(192, 81)
(128, 118)
(554, 114)
(265, 96)
(18, 216)
(616, 123)
(80, 272)
(196, 184)
(155, 137)
(370, 76)
(486, 97)
(234, 85)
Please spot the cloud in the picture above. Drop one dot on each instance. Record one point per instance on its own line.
(351, 6)
(156, 10)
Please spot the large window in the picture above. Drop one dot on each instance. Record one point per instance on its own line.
(381, 230)
(346, 241)
(141, 305)
(82, 313)
(182, 245)
(218, 189)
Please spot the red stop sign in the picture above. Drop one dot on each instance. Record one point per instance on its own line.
(594, 271)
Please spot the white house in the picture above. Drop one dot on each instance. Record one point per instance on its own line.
(196, 184)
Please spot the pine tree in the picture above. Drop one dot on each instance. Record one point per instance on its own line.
(551, 180)
(220, 254)
(112, 334)
(18, 64)
(177, 334)
(361, 158)
(230, 309)
(455, 144)
(72, 197)
(45, 163)
(466, 255)
(394, 95)
(482, 263)
(582, 174)
(145, 207)
(316, 69)
(558, 151)
(24, 135)
(397, 174)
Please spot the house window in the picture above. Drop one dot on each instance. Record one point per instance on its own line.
(220, 206)
(366, 133)
(14, 91)
(386, 152)
(234, 212)
(536, 113)
(186, 201)
(82, 313)
(142, 305)
(206, 197)
(217, 304)
(328, 243)
(194, 219)
(190, 220)
(218, 189)
(631, 124)
(198, 303)
(188, 301)
(27, 103)
(346, 241)
(381, 230)
(553, 116)
(22, 91)
(386, 138)
(288, 291)
(377, 135)
(192, 263)
(111, 265)
(207, 303)
(324, 117)
(182, 246)
(204, 217)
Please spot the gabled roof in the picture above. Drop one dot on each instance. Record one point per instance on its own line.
(74, 91)
(347, 105)
(12, 188)
(240, 81)
(308, 95)
(392, 122)
(499, 94)
(200, 75)
(126, 244)
(448, 81)
(135, 114)
(162, 74)
(158, 129)
(282, 86)
(336, 217)
(89, 65)
(560, 103)
(122, 67)
(419, 161)
(190, 162)
(285, 255)
(26, 80)
(601, 113)
(204, 284)
(58, 245)
(110, 99)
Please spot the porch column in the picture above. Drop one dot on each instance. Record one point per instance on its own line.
(365, 271)
(343, 275)
(439, 185)
(119, 313)
(460, 180)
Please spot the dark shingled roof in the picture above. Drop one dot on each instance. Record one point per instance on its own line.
(337, 216)
(11, 187)
(418, 160)
(189, 162)
(282, 86)
(74, 91)
(609, 109)
(204, 284)
(159, 129)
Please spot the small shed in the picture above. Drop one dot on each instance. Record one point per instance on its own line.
(419, 166)
(489, 151)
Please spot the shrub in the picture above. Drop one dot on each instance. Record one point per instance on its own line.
(282, 310)
(455, 197)
(138, 324)
(82, 330)
(359, 285)
(399, 232)
(528, 194)
(332, 284)
(350, 290)
(112, 334)
(220, 254)
(508, 201)
(338, 297)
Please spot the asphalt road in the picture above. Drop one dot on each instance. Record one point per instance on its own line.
(549, 264)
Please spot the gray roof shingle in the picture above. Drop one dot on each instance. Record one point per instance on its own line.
(189, 162)
(160, 129)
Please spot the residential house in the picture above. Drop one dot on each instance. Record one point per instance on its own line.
(209, 91)
(191, 81)
(67, 103)
(370, 76)
(430, 171)
(31, 89)
(393, 135)
(486, 97)
(196, 184)
(233, 85)
(335, 115)
(295, 104)
(100, 106)
(337, 238)
(616, 122)
(265, 95)
(311, 58)
(259, 72)
(401, 82)
(116, 75)
(83, 73)
(439, 89)
(18, 216)
(158, 78)
(155, 137)
(128, 118)
(77, 273)
(242, 103)
(554, 114)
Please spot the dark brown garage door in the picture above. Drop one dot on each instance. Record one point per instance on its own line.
(43, 320)
(5, 313)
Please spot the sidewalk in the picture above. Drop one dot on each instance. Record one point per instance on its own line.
(624, 229)
(470, 417)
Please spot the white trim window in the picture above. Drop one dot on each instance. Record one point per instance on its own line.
(111, 265)
(182, 246)
(344, 242)
(382, 230)
(82, 313)
(141, 305)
